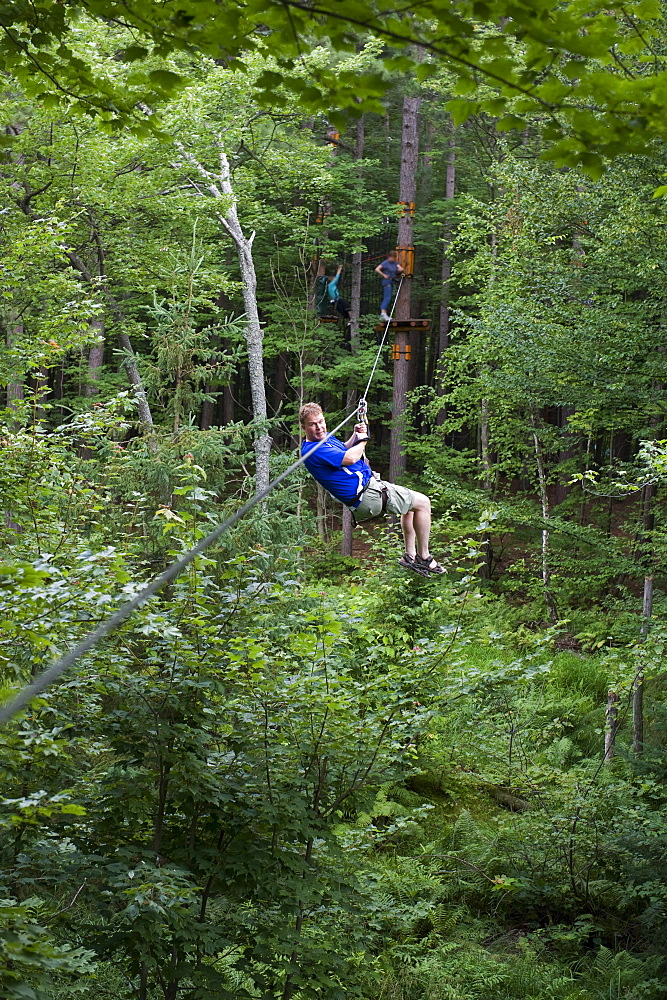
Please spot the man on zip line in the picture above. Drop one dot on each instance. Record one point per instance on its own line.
(340, 467)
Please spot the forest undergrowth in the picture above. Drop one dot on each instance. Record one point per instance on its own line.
(282, 780)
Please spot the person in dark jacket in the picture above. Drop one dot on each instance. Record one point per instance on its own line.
(339, 304)
(389, 270)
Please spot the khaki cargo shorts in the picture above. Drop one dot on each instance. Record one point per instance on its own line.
(399, 500)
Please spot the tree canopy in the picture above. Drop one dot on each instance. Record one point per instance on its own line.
(593, 77)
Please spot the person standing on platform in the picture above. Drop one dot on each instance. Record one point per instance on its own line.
(389, 271)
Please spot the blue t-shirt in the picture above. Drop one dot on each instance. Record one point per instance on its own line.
(332, 289)
(344, 482)
(390, 268)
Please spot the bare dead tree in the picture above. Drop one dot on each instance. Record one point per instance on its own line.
(611, 727)
(544, 500)
(219, 186)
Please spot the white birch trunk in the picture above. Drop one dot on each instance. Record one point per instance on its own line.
(611, 716)
(253, 333)
(140, 397)
(648, 518)
(220, 186)
(544, 499)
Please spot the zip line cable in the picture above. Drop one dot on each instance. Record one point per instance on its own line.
(363, 406)
(52, 673)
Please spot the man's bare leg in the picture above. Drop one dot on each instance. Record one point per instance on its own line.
(422, 522)
(409, 534)
(416, 525)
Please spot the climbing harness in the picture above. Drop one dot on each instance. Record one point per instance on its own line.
(52, 673)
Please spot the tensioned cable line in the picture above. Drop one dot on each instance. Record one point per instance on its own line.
(51, 674)
(363, 405)
(384, 337)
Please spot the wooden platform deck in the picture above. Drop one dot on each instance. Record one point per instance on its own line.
(405, 326)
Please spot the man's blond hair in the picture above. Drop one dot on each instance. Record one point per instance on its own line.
(308, 410)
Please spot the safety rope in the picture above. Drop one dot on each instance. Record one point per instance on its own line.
(362, 408)
(51, 674)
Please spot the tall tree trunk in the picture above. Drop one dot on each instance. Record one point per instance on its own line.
(279, 384)
(544, 500)
(141, 399)
(485, 445)
(446, 269)
(321, 513)
(402, 310)
(15, 390)
(566, 451)
(207, 410)
(648, 523)
(355, 290)
(143, 982)
(611, 727)
(129, 358)
(220, 186)
(355, 313)
(227, 405)
(95, 357)
(280, 381)
(253, 333)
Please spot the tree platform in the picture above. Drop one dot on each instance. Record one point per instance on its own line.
(405, 326)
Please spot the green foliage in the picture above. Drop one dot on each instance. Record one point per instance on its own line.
(187, 368)
(296, 774)
(32, 963)
(588, 72)
(45, 310)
